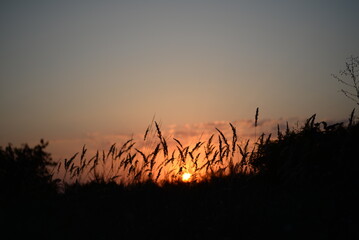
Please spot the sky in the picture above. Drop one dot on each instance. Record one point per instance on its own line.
(76, 72)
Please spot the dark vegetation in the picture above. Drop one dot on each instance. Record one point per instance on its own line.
(302, 184)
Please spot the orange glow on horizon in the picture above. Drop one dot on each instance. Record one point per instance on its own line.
(186, 177)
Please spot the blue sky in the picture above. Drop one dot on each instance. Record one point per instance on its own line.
(71, 68)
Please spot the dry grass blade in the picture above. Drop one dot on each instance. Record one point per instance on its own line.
(309, 124)
(181, 153)
(242, 152)
(191, 155)
(234, 139)
(111, 150)
(147, 131)
(144, 157)
(154, 155)
(138, 176)
(125, 148)
(171, 159)
(185, 152)
(165, 147)
(68, 162)
(58, 166)
(158, 174)
(209, 147)
(95, 161)
(84, 150)
(158, 130)
(220, 149)
(210, 140)
(197, 146)
(256, 117)
(162, 140)
(268, 139)
(287, 131)
(351, 119)
(103, 157)
(178, 142)
(223, 137)
(279, 133)
(256, 122)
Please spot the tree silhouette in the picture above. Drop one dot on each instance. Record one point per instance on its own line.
(349, 77)
(25, 170)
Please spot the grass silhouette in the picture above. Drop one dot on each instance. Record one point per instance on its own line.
(129, 165)
(304, 183)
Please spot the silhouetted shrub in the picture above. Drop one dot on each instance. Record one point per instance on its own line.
(316, 154)
(25, 170)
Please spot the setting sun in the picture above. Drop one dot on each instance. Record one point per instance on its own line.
(186, 177)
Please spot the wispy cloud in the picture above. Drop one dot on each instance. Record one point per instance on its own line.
(188, 134)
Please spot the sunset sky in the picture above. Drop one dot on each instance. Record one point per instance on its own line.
(71, 71)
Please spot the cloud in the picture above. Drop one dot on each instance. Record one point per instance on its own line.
(93, 141)
(188, 134)
(244, 128)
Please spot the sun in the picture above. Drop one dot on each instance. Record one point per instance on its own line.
(186, 177)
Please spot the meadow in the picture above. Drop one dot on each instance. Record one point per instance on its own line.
(292, 184)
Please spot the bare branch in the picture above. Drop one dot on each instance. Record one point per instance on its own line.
(349, 95)
(342, 81)
(351, 72)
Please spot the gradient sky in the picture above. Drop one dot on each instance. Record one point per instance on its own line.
(71, 68)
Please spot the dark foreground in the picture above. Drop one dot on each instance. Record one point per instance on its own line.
(228, 210)
(307, 186)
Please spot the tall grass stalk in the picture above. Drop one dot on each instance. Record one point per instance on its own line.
(168, 159)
